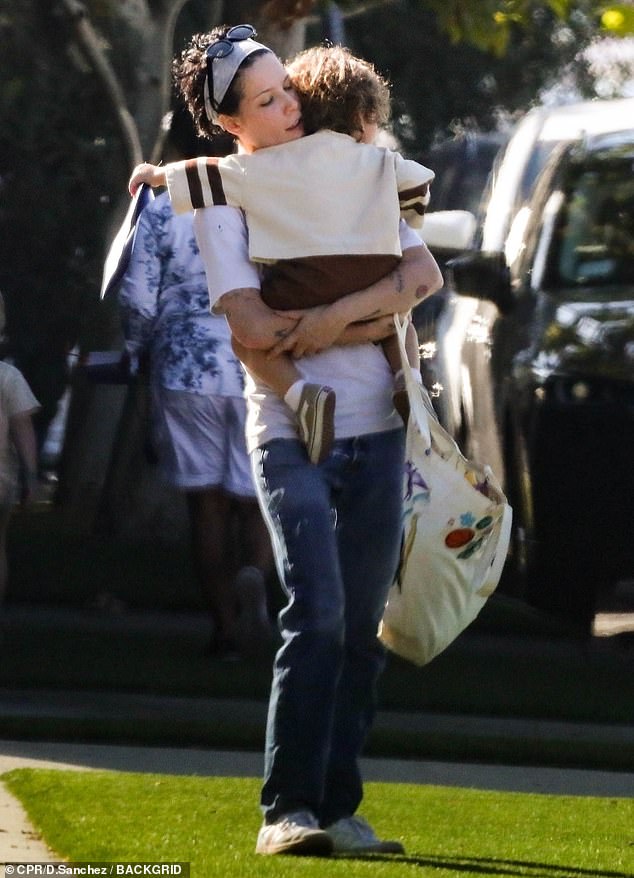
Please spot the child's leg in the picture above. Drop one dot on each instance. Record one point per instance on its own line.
(313, 404)
(393, 355)
(392, 351)
(412, 347)
(279, 373)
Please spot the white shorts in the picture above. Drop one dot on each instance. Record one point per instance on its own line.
(200, 441)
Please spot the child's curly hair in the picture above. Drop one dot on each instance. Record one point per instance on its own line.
(338, 91)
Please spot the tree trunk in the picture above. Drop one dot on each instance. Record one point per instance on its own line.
(106, 481)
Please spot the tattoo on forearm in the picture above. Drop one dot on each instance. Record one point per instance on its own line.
(398, 280)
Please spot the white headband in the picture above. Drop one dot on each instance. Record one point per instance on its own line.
(224, 70)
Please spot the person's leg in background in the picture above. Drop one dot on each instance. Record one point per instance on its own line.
(5, 515)
(248, 540)
(191, 435)
(213, 565)
(201, 448)
(232, 559)
(252, 585)
(254, 543)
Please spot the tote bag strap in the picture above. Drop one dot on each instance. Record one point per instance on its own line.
(423, 415)
(420, 405)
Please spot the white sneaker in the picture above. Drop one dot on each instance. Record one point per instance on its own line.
(295, 833)
(316, 420)
(354, 835)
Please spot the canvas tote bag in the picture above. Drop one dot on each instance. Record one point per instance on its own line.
(456, 532)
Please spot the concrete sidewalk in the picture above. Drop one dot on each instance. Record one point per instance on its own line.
(20, 842)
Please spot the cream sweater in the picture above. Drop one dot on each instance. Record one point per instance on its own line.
(321, 195)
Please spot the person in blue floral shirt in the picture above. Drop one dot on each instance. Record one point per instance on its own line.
(198, 410)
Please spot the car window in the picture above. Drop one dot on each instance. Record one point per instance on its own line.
(594, 244)
(539, 156)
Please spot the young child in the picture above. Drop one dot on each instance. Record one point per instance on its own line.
(18, 450)
(316, 212)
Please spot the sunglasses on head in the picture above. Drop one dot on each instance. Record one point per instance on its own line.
(223, 47)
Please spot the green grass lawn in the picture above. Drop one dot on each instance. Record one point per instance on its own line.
(212, 823)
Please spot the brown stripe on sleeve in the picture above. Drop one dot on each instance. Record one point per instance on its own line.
(416, 192)
(415, 207)
(415, 199)
(215, 182)
(193, 183)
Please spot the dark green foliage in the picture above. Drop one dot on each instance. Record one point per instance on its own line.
(439, 85)
(59, 157)
(62, 162)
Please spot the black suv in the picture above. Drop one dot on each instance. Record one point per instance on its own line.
(547, 369)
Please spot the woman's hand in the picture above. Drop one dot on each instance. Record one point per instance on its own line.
(317, 329)
(146, 173)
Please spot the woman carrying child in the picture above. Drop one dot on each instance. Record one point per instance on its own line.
(322, 214)
(336, 527)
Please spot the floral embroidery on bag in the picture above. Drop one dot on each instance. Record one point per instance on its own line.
(469, 535)
(415, 489)
(413, 480)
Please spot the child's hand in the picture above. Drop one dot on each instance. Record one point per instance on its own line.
(317, 329)
(146, 173)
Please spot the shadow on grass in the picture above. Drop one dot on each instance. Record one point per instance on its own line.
(489, 866)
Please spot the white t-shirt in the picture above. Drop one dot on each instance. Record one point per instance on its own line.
(359, 374)
(16, 397)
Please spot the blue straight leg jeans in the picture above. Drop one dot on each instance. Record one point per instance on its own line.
(336, 531)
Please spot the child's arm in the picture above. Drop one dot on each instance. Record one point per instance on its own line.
(152, 175)
(201, 182)
(413, 182)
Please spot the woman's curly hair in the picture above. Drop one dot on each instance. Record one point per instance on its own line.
(189, 71)
(338, 91)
